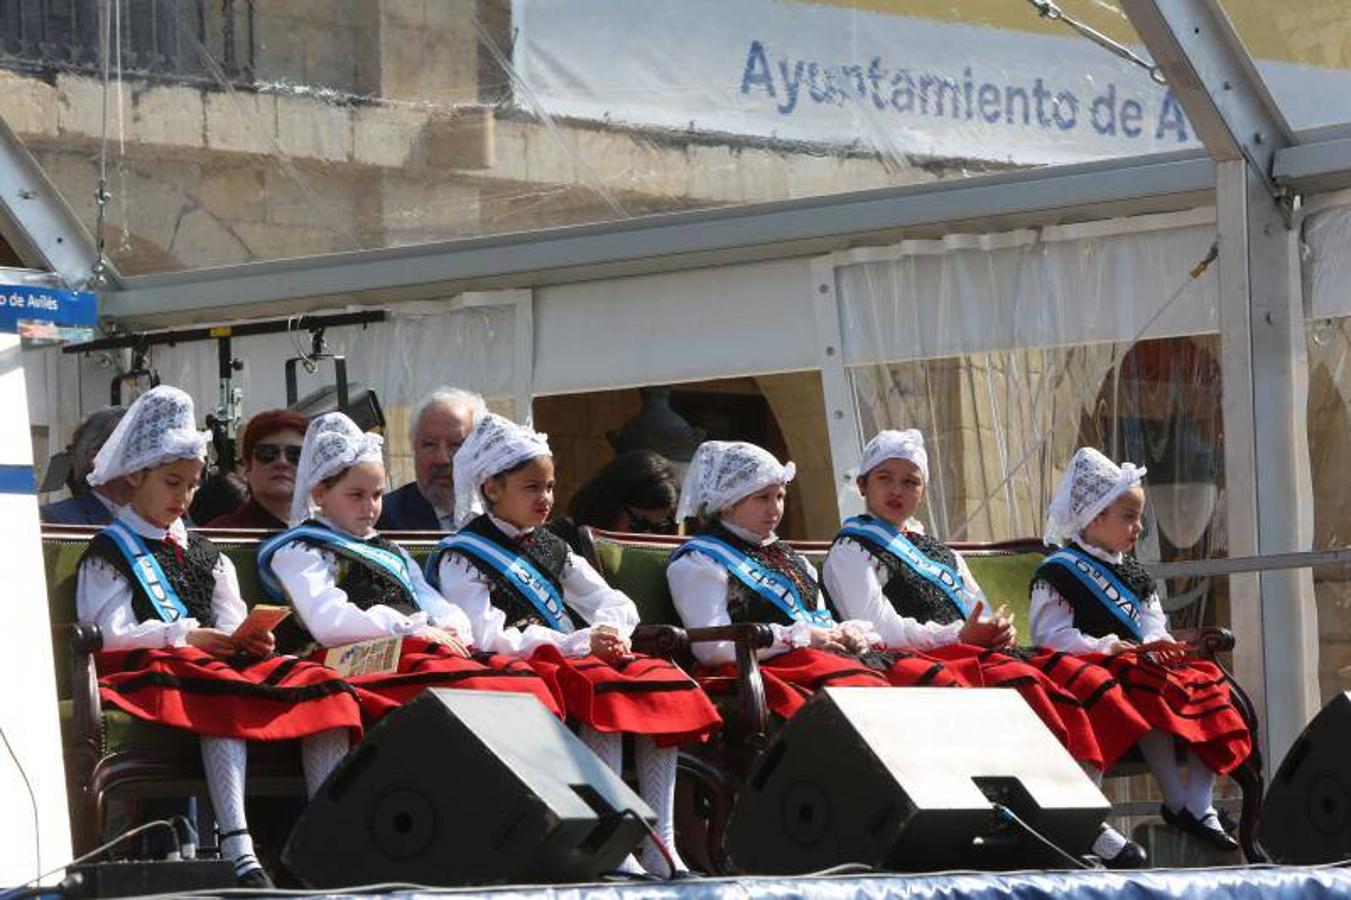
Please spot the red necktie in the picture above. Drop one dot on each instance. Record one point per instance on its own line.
(178, 549)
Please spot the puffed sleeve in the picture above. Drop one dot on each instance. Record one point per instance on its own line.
(103, 597)
(443, 615)
(464, 586)
(599, 604)
(699, 590)
(1053, 624)
(851, 578)
(309, 577)
(226, 601)
(1153, 621)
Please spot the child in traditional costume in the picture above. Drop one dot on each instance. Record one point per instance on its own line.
(737, 570)
(1092, 598)
(526, 594)
(920, 595)
(348, 584)
(167, 602)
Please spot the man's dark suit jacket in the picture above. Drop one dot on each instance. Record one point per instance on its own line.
(85, 509)
(407, 510)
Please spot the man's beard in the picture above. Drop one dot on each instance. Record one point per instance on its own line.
(440, 494)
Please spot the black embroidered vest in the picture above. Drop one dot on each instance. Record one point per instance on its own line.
(746, 605)
(1090, 616)
(911, 594)
(193, 578)
(365, 586)
(543, 549)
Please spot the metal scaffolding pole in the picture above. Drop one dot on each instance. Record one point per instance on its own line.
(1265, 402)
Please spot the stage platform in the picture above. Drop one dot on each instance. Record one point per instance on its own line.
(1237, 883)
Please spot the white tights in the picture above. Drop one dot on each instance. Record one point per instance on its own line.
(656, 785)
(1196, 792)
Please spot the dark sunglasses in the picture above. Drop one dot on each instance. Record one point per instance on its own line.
(267, 453)
(640, 525)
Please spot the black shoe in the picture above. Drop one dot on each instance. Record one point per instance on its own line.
(256, 879)
(1227, 822)
(1130, 856)
(1184, 820)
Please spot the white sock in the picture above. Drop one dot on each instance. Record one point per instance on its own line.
(1108, 843)
(656, 784)
(610, 748)
(1160, 752)
(226, 762)
(1200, 787)
(320, 754)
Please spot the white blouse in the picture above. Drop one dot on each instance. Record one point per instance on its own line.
(1053, 617)
(853, 576)
(464, 586)
(309, 576)
(103, 596)
(699, 587)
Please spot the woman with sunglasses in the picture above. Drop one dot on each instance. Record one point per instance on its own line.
(270, 449)
(636, 491)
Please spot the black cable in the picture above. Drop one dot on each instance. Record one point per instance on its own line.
(1011, 816)
(32, 802)
(655, 839)
(23, 889)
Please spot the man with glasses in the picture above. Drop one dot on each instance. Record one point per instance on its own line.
(441, 422)
(270, 450)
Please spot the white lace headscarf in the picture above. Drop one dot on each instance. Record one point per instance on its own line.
(1088, 486)
(160, 427)
(494, 446)
(885, 445)
(333, 444)
(723, 472)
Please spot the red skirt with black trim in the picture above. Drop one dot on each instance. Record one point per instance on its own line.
(1189, 699)
(644, 695)
(1116, 723)
(791, 678)
(272, 699)
(1059, 709)
(425, 665)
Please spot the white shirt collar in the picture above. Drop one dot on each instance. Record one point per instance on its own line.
(507, 528)
(178, 531)
(320, 517)
(749, 536)
(1099, 553)
(114, 508)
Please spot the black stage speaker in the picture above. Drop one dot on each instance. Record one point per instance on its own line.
(905, 779)
(466, 787)
(1306, 817)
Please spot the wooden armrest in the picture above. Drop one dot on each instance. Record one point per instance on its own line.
(752, 634)
(1207, 641)
(666, 641)
(747, 737)
(86, 738)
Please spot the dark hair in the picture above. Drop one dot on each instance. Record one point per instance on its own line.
(218, 494)
(638, 479)
(269, 422)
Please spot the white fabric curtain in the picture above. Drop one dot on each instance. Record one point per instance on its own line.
(1010, 350)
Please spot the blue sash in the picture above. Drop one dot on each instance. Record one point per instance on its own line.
(387, 561)
(889, 538)
(512, 566)
(149, 574)
(769, 584)
(1103, 585)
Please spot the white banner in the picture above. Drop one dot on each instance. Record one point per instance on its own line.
(816, 72)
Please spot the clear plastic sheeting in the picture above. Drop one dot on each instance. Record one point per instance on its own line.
(244, 130)
(1009, 351)
(402, 359)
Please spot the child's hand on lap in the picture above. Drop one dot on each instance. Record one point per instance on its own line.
(609, 645)
(853, 638)
(212, 640)
(259, 644)
(997, 631)
(447, 639)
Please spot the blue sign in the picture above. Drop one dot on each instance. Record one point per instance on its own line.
(58, 306)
